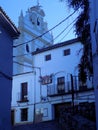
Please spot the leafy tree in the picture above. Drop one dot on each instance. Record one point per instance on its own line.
(82, 29)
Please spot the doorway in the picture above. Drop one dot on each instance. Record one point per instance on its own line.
(58, 108)
(12, 116)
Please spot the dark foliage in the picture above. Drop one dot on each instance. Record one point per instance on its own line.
(82, 29)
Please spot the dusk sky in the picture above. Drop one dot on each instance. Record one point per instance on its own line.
(55, 12)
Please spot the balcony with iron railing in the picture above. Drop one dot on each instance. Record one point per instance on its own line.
(66, 88)
(22, 98)
(54, 89)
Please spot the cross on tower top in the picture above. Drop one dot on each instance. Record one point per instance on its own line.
(38, 2)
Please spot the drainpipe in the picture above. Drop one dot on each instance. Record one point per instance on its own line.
(35, 90)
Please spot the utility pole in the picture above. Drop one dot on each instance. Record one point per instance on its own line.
(72, 88)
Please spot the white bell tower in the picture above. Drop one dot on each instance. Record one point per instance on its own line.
(34, 35)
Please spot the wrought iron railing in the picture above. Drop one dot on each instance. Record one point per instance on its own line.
(22, 98)
(55, 89)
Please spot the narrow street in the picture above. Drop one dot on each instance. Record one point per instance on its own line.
(50, 125)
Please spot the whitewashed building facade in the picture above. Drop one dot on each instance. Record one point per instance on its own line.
(45, 75)
(38, 94)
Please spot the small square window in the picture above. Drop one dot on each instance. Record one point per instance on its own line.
(48, 57)
(66, 52)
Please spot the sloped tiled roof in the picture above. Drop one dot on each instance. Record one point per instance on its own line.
(8, 24)
(72, 41)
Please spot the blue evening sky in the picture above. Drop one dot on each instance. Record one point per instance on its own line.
(55, 12)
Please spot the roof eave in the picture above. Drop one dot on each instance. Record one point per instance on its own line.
(8, 25)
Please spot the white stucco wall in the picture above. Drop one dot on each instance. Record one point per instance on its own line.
(58, 61)
(39, 101)
(16, 92)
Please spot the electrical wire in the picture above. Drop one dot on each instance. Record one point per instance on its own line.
(54, 39)
(59, 42)
(23, 55)
(46, 31)
(64, 29)
(37, 44)
(27, 39)
(29, 27)
(57, 35)
(5, 75)
(25, 65)
(66, 34)
(29, 66)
